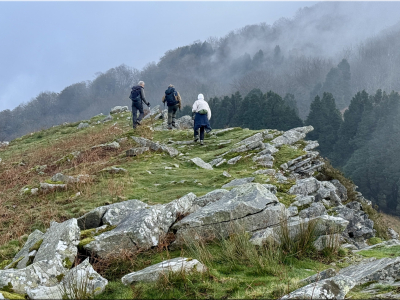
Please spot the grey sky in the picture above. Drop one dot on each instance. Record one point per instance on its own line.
(46, 46)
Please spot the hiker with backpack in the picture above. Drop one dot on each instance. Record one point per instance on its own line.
(137, 97)
(173, 100)
(201, 113)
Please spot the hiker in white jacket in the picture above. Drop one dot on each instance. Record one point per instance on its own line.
(201, 113)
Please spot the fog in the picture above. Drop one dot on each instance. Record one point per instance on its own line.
(47, 46)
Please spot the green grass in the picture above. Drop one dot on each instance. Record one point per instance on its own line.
(381, 252)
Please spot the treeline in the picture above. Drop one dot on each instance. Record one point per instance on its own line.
(364, 143)
(76, 102)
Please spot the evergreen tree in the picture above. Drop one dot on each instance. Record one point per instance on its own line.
(326, 120)
(345, 146)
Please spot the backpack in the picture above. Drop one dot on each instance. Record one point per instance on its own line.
(134, 93)
(171, 97)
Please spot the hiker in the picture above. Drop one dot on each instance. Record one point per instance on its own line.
(173, 100)
(137, 97)
(201, 113)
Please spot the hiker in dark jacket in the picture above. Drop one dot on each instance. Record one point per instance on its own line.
(137, 97)
(173, 100)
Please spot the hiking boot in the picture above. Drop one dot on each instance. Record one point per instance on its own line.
(201, 142)
(208, 130)
(169, 126)
(138, 122)
(196, 138)
(173, 125)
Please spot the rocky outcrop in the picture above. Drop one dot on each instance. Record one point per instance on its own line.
(332, 288)
(118, 109)
(55, 255)
(200, 163)
(80, 282)
(82, 125)
(184, 122)
(291, 136)
(59, 177)
(360, 226)
(108, 146)
(136, 151)
(155, 146)
(28, 251)
(111, 214)
(142, 228)
(249, 207)
(210, 197)
(153, 273)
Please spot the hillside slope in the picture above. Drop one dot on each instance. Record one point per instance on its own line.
(65, 174)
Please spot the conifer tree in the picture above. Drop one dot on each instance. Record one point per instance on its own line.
(326, 120)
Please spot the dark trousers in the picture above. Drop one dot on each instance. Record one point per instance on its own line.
(172, 113)
(137, 106)
(201, 129)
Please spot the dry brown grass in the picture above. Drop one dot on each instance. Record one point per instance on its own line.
(20, 214)
(391, 221)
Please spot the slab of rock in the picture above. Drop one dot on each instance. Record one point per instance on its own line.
(136, 151)
(305, 186)
(107, 119)
(311, 145)
(234, 160)
(226, 174)
(184, 122)
(323, 225)
(272, 188)
(153, 111)
(268, 149)
(41, 273)
(202, 164)
(301, 200)
(23, 255)
(153, 273)
(142, 228)
(221, 162)
(250, 206)
(114, 170)
(210, 197)
(82, 125)
(109, 146)
(393, 234)
(360, 226)
(341, 190)
(60, 243)
(292, 136)
(118, 109)
(49, 187)
(254, 138)
(111, 214)
(216, 161)
(332, 288)
(265, 172)
(316, 209)
(328, 273)
(81, 281)
(384, 270)
(155, 146)
(239, 181)
(70, 179)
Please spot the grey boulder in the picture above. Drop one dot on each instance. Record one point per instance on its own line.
(292, 136)
(111, 214)
(142, 228)
(23, 255)
(200, 163)
(210, 197)
(118, 109)
(81, 281)
(305, 186)
(153, 273)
